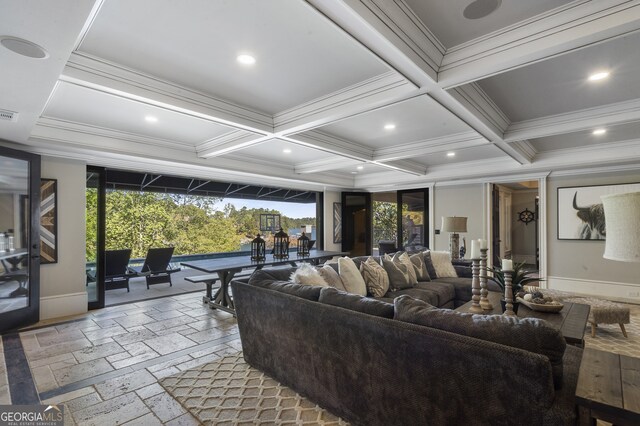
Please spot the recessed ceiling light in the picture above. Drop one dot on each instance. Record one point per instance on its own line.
(451, 154)
(246, 59)
(23, 47)
(286, 151)
(151, 119)
(600, 75)
(599, 131)
(354, 173)
(360, 167)
(389, 126)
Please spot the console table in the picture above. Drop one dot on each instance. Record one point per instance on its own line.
(608, 388)
(227, 267)
(571, 320)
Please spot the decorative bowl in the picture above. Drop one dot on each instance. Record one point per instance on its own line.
(540, 307)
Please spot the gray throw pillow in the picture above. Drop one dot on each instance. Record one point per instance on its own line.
(421, 269)
(367, 305)
(531, 334)
(399, 277)
(429, 265)
(403, 257)
(375, 277)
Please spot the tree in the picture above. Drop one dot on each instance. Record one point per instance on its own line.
(385, 225)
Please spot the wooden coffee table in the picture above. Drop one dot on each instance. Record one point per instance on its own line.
(571, 320)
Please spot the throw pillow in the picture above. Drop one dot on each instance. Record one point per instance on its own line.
(442, 264)
(350, 276)
(531, 334)
(308, 275)
(399, 277)
(331, 277)
(421, 269)
(429, 264)
(367, 305)
(375, 277)
(403, 258)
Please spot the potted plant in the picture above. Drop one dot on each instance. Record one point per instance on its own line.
(519, 278)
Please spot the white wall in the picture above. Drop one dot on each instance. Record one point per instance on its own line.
(463, 200)
(330, 197)
(62, 284)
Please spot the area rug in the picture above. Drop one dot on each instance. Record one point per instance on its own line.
(230, 392)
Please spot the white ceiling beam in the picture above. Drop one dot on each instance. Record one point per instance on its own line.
(406, 166)
(429, 146)
(106, 77)
(332, 144)
(575, 25)
(618, 113)
(228, 143)
(325, 165)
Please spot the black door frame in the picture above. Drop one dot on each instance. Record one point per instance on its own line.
(425, 218)
(368, 219)
(31, 313)
(100, 235)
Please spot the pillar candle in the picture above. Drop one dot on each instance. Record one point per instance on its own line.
(483, 243)
(507, 265)
(475, 250)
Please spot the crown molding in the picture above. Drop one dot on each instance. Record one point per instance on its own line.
(102, 75)
(555, 32)
(429, 146)
(618, 113)
(526, 148)
(332, 144)
(480, 104)
(405, 166)
(610, 152)
(326, 164)
(363, 96)
(616, 168)
(228, 143)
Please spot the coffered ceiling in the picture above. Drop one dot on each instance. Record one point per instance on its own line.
(350, 94)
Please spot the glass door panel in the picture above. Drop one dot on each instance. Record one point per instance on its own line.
(95, 237)
(412, 219)
(356, 223)
(19, 248)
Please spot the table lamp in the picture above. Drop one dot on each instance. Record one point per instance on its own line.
(454, 225)
(622, 223)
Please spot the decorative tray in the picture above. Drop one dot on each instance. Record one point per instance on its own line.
(541, 307)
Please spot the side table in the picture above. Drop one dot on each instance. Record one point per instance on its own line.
(608, 388)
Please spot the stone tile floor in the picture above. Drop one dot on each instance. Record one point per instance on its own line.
(105, 365)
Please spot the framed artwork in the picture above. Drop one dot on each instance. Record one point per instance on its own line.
(337, 222)
(580, 211)
(48, 221)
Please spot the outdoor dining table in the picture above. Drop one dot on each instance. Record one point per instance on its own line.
(227, 267)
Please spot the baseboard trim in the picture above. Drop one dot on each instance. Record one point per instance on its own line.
(63, 305)
(623, 292)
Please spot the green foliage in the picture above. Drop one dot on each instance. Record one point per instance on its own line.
(385, 217)
(519, 277)
(141, 220)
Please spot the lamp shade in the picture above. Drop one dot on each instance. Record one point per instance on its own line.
(454, 224)
(622, 223)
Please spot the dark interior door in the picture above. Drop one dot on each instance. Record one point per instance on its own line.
(95, 211)
(413, 224)
(19, 239)
(356, 223)
(495, 223)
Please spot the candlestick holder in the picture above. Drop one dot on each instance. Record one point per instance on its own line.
(484, 291)
(475, 288)
(508, 294)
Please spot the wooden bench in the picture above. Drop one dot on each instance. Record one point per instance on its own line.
(209, 280)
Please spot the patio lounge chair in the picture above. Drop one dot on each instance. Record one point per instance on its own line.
(116, 265)
(156, 266)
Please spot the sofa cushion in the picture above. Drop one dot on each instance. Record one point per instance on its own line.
(375, 277)
(399, 277)
(367, 305)
(446, 292)
(403, 257)
(442, 263)
(531, 334)
(461, 287)
(331, 277)
(421, 269)
(350, 276)
(426, 255)
(270, 274)
(308, 275)
(425, 295)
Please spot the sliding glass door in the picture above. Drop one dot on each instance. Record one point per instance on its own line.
(19, 238)
(413, 225)
(95, 214)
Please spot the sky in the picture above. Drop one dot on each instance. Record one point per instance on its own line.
(292, 210)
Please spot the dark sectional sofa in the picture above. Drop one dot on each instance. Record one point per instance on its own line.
(348, 354)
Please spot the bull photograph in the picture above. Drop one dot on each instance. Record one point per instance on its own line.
(580, 212)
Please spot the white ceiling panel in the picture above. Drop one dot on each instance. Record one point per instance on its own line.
(79, 104)
(273, 151)
(446, 20)
(461, 156)
(415, 119)
(561, 84)
(623, 132)
(299, 54)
